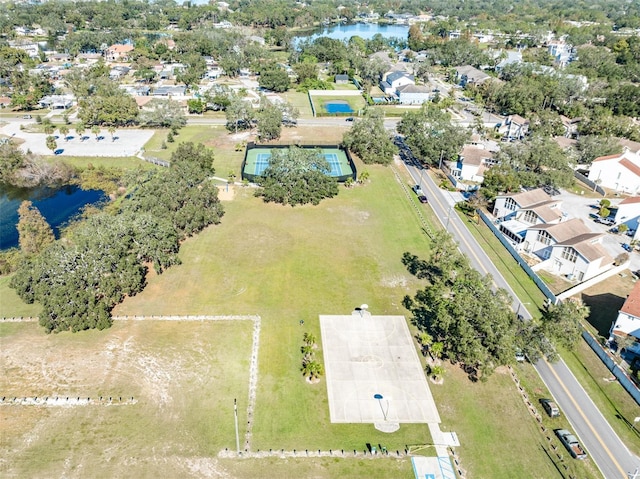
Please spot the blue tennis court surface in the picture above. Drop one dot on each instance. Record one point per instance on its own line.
(262, 162)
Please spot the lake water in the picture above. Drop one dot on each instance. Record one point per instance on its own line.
(57, 205)
(364, 30)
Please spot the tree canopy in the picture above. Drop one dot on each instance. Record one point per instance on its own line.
(370, 140)
(103, 259)
(431, 135)
(296, 176)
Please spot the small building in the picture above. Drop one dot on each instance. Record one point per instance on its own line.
(627, 324)
(412, 94)
(617, 172)
(516, 213)
(568, 248)
(512, 57)
(341, 79)
(169, 90)
(471, 164)
(118, 53)
(468, 75)
(392, 80)
(514, 127)
(628, 212)
(57, 102)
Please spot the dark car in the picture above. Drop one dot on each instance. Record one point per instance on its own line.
(550, 407)
(423, 199)
(349, 118)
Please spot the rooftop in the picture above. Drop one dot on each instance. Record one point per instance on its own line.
(632, 305)
(565, 230)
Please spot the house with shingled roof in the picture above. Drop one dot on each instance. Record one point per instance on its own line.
(628, 321)
(568, 248)
(617, 172)
(118, 53)
(517, 212)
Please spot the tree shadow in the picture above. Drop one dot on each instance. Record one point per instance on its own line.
(603, 310)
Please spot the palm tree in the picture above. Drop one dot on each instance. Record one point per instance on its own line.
(364, 176)
(64, 131)
(436, 349)
(49, 129)
(437, 372)
(307, 352)
(309, 339)
(312, 370)
(80, 128)
(51, 143)
(95, 129)
(112, 132)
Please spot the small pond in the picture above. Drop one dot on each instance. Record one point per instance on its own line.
(338, 106)
(57, 205)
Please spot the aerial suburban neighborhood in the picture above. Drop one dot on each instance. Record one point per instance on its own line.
(321, 239)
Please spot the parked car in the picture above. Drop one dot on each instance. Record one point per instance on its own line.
(550, 407)
(423, 199)
(606, 221)
(627, 247)
(571, 443)
(418, 190)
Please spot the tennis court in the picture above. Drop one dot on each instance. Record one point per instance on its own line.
(373, 371)
(257, 160)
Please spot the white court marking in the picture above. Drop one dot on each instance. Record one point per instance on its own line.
(367, 356)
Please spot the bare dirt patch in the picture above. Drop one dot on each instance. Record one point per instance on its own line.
(180, 373)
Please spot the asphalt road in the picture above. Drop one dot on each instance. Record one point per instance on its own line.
(602, 444)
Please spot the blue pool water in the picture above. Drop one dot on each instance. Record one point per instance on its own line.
(57, 205)
(338, 106)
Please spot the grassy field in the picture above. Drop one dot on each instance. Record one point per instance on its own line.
(184, 383)
(300, 101)
(285, 264)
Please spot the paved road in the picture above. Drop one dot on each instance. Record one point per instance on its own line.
(604, 446)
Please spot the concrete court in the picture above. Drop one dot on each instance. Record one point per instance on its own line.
(365, 355)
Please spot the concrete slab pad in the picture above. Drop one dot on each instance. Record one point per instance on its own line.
(373, 371)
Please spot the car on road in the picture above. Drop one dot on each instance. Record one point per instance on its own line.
(423, 199)
(550, 407)
(27, 117)
(349, 118)
(418, 190)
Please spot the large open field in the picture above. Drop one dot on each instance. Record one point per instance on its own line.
(286, 265)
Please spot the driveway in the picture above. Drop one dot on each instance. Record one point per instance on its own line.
(577, 206)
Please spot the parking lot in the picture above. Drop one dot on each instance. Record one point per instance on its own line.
(126, 142)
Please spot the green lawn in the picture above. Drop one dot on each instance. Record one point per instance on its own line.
(504, 440)
(284, 264)
(300, 101)
(124, 163)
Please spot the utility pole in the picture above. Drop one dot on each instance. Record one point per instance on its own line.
(235, 410)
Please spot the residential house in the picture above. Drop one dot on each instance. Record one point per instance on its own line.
(31, 48)
(540, 239)
(57, 102)
(511, 57)
(118, 53)
(5, 101)
(517, 212)
(468, 75)
(514, 128)
(470, 166)
(562, 53)
(412, 94)
(580, 257)
(628, 321)
(342, 79)
(628, 212)
(617, 172)
(169, 90)
(391, 81)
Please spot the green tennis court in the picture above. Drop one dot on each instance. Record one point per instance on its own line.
(257, 160)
